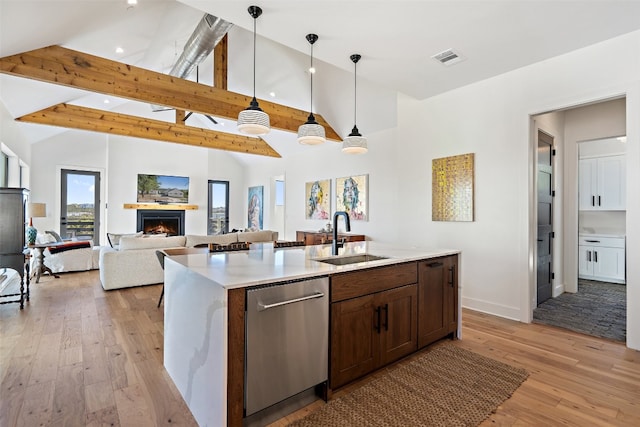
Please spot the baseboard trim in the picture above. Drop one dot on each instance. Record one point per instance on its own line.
(558, 290)
(512, 313)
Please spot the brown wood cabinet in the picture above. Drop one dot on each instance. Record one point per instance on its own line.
(319, 238)
(373, 320)
(437, 299)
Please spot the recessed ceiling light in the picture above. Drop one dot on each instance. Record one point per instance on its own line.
(106, 101)
(272, 94)
(132, 2)
(119, 50)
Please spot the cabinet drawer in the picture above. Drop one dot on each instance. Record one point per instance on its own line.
(609, 242)
(363, 282)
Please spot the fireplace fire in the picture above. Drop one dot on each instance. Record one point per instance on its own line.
(152, 221)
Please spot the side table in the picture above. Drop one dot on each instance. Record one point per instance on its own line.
(41, 268)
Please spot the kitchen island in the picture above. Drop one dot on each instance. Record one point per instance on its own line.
(205, 309)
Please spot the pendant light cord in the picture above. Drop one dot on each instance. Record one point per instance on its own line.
(254, 58)
(355, 92)
(311, 72)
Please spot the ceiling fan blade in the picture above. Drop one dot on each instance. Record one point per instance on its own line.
(211, 118)
(187, 116)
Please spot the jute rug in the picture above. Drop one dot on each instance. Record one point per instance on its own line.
(448, 386)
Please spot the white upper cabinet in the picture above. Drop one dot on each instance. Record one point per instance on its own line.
(602, 183)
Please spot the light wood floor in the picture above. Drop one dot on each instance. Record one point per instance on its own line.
(77, 355)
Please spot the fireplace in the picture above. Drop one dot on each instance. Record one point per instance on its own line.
(161, 221)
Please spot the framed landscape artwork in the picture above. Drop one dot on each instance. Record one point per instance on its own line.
(452, 188)
(254, 210)
(352, 196)
(318, 199)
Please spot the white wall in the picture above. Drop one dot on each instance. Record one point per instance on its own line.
(491, 119)
(120, 159)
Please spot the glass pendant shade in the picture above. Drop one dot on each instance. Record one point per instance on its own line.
(311, 133)
(253, 120)
(354, 143)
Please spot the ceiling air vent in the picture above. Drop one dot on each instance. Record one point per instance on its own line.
(448, 57)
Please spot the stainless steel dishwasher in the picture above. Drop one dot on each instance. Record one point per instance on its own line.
(287, 341)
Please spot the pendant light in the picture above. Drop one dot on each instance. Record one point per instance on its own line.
(354, 143)
(311, 133)
(253, 120)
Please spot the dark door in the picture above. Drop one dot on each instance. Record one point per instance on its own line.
(545, 216)
(80, 205)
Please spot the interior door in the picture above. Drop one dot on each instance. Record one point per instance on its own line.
(545, 217)
(80, 205)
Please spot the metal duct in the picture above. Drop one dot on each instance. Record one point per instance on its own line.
(205, 37)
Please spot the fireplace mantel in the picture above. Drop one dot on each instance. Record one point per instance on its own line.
(157, 206)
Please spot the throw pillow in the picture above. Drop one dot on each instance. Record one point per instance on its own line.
(44, 238)
(114, 239)
(55, 235)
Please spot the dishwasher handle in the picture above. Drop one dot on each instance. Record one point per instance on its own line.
(262, 306)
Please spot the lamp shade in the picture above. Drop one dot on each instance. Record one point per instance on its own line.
(37, 210)
(354, 143)
(311, 133)
(253, 120)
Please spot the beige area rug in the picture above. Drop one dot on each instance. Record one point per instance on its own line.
(448, 386)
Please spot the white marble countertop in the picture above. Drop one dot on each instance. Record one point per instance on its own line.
(263, 264)
(603, 234)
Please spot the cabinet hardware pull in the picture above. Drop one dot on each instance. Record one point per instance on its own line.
(593, 241)
(589, 256)
(386, 317)
(599, 201)
(452, 272)
(434, 264)
(262, 307)
(540, 240)
(376, 326)
(593, 200)
(595, 256)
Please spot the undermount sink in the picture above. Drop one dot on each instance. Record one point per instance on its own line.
(351, 259)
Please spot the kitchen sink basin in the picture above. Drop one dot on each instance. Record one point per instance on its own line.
(351, 259)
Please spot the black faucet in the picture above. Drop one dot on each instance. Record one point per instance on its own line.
(347, 225)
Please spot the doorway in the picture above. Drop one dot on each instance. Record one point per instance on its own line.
(80, 204)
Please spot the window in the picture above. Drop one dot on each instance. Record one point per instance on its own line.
(218, 218)
(4, 169)
(279, 193)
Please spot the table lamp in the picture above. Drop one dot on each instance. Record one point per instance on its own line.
(34, 210)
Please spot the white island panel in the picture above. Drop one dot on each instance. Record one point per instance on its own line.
(195, 336)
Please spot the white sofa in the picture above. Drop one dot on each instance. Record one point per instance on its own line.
(133, 260)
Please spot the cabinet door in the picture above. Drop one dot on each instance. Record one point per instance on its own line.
(437, 299)
(611, 179)
(398, 310)
(587, 177)
(609, 263)
(354, 339)
(585, 261)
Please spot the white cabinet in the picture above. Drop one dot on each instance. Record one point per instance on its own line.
(602, 183)
(602, 258)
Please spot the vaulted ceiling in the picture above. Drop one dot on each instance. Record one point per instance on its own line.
(395, 38)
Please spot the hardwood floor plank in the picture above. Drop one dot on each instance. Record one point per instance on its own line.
(37, 405)
(98, 396)
(69, 400)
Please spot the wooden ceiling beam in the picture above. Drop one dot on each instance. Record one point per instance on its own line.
(76, 117)
(59, 65)
(220, 64)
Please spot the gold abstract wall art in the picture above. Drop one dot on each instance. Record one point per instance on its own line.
(452, 188)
